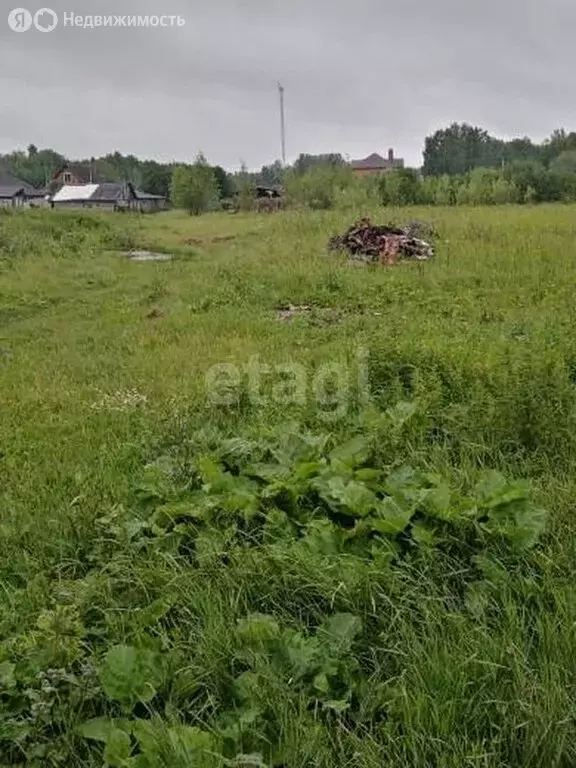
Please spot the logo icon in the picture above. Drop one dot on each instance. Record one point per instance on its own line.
(20, 20)
(45, 20)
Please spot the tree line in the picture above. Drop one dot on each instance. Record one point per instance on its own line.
(462, 164)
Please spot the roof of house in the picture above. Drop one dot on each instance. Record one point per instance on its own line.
(10, 186)
(109, 191)
(377, 162)
(147, 195)
(81, 172)
(7, 192)
(70, 193)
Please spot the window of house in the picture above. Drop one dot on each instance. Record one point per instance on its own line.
(67, 178)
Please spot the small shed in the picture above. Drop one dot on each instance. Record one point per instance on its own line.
(148, 203)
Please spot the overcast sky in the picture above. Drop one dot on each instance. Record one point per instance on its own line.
(360, 76)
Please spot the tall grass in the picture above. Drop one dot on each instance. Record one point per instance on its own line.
(194, 646)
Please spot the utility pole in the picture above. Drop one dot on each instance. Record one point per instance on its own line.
(282, 123)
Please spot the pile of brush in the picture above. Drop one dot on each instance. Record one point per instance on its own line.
(385, 245)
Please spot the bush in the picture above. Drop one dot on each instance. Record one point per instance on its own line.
(319, 187)
(505, 192)
(446, 190)
(194, 187)
(360, 193)
(401, 187)
(245, 190)
(481, 186)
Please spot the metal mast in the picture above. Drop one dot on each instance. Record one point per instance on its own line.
(282, 123)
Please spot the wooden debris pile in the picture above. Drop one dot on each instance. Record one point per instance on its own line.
(384, 245)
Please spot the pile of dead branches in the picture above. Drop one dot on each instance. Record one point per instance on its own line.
(385, 245)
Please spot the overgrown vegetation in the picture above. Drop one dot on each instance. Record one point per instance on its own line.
(194, 187)
(461, 164)
(256, 584)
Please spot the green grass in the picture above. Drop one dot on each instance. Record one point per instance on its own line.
(260, 617)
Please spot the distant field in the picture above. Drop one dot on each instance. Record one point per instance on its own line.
(196, 573)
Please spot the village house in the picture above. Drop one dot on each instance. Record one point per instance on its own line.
(15, 193)
(75, 174)
(109, 196)
(375, 164)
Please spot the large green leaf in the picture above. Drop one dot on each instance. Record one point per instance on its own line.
(295, 447)
(354, 453)
(258, 628)
(97, 729)
(424, 534)
(406, 485)
(341, 630)
(391, 518)
(531, 523)
(130, 675)
(192, 746)
(268, 472)
(520, 522)
(323, 537)
(178, 511)
(118, 748)
(148, 734)
(437, 503)
(494, 490)
(348, 496)
(304, 653)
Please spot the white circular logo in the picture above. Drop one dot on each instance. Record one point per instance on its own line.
(45, 20)
(20, 20)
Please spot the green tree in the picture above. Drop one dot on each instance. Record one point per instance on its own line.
(460, 148)
(245, 186)
(565, 162)
(156, 178)
(272, 175)
(456, 149)
(527, 174)
(223, 182)
(306, 163)
(194, 187)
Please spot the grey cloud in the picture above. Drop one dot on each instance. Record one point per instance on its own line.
(360, 76)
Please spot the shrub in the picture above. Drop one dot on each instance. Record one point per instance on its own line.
(194, 187)
(505, 192)
(319, 187)
(446, 190)
(401, 187)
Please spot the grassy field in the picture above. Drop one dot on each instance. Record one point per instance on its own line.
(201, 569)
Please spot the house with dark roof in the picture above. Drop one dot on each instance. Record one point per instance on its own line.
(375, 163)
(108, 196)
(15, 193)
(76, 174)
